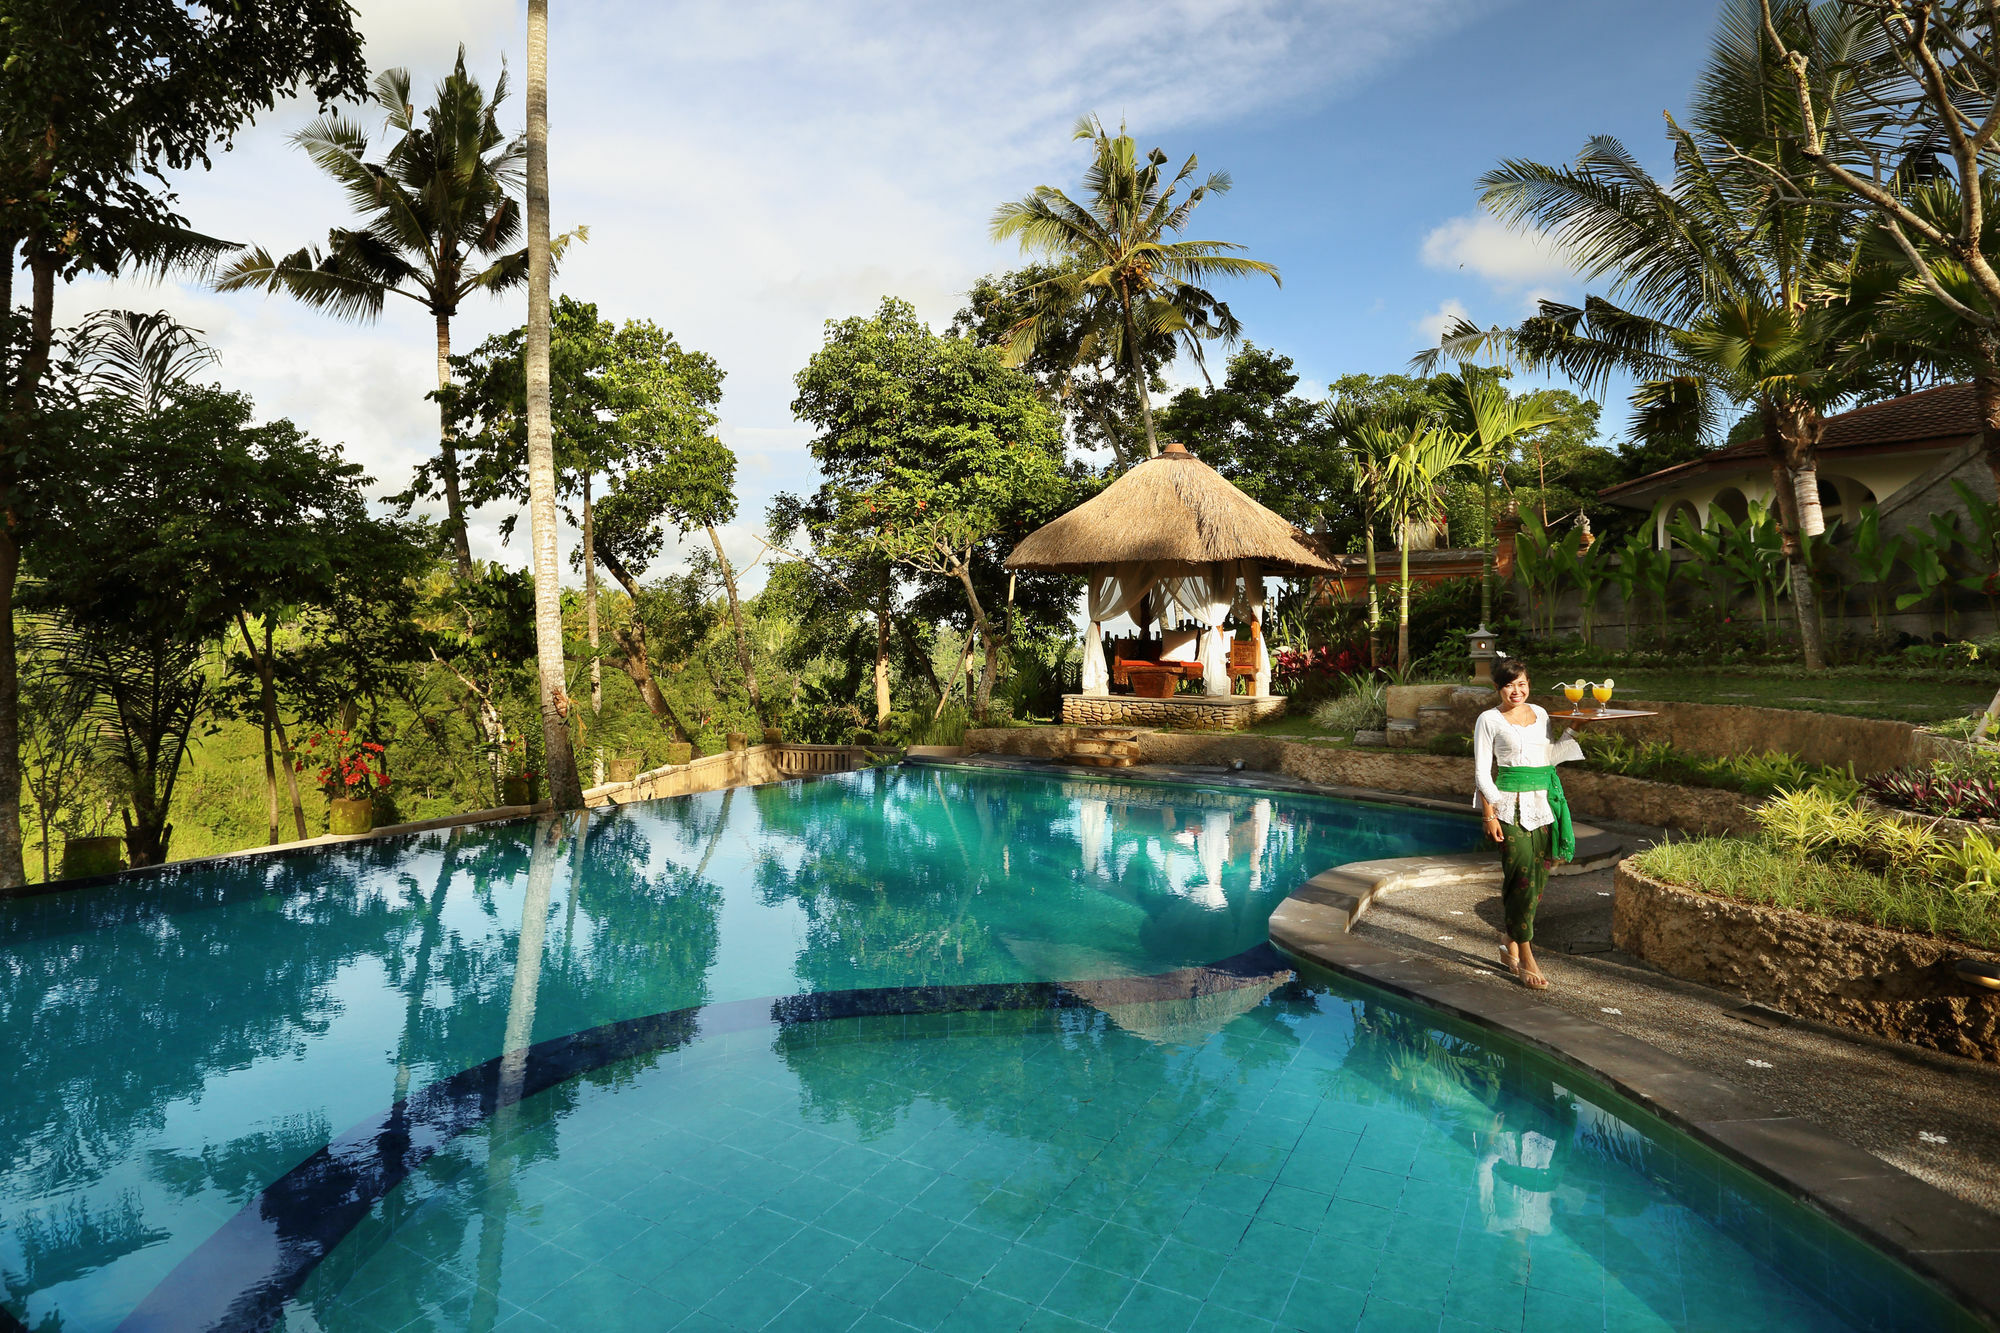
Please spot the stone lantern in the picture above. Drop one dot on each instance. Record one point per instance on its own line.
(1485, 647)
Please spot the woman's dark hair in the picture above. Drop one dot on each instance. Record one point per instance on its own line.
(1508, 670)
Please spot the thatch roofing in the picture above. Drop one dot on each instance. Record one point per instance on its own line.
(1173, 509)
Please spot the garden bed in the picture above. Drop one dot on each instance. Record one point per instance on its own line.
(1731, 933)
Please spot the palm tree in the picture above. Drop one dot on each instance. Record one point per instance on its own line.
(1479, 407)
(1720, 269)
(1117, 262)
(439, 216)
(565, 791)
(1368, 453)
(1417, 456)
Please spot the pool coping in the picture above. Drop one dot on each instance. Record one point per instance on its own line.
(1953, 1244)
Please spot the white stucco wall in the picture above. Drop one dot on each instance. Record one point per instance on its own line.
(1856, 480)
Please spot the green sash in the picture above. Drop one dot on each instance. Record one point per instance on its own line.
(1526, 777)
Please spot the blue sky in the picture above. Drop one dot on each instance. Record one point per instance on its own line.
(751, 170)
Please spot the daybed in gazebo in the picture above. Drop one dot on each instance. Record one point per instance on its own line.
(1172, 537)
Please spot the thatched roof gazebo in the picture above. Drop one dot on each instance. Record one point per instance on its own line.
(1171, 532)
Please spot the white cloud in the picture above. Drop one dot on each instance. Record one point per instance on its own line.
(1432, 327)
(1487, 248)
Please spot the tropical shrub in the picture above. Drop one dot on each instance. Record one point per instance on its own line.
(1316, 672)
(1754, 870)
(1753, 775)
(1363, 705)
(1956, 791)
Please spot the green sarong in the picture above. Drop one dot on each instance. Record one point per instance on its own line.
(1525, 777)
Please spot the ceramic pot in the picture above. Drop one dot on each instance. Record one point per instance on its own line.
(738, 741)
(92, 856)
(679, 752)
(518, 790)
(620, 770)
(772, 736)
(349, 817)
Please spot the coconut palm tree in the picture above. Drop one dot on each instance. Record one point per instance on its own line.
(1116, 260)
(565, 791)
(440, 220)
(1417, 457)
(1718, 271)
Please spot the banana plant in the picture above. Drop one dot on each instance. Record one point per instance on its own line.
(1544, 562)
(1981, 547)
(1642, 573)
(1708, 571)
(1746, 559)
(1588, 569)
(1926, 557)
(1875, 558)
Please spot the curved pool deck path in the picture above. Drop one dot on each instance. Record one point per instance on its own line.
(1953, 1243)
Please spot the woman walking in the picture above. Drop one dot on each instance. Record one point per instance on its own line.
(1514, 766)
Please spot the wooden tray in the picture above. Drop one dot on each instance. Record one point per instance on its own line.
(1602, 714)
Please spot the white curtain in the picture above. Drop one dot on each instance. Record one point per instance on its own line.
(1214, 852)
(1253, 585)
(1260, 839)
(1091, 819)
(1113, 590)
(1207, 598)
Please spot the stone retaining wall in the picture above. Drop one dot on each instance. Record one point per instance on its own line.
(712, 772)
(1194, 712)
(1601, 795)
(1863, 977)
(1721, 730)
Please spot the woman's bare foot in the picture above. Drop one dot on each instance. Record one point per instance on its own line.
(1530, 975)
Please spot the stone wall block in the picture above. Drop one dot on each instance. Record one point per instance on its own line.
(1862, 977)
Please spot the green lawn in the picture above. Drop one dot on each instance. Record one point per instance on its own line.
(1920, 701)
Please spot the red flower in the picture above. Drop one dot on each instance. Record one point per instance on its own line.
(382, 780)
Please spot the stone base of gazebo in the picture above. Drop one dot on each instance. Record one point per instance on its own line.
(1188, 712)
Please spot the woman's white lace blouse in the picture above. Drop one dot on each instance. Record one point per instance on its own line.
(1496, 742)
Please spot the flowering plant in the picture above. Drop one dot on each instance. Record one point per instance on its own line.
(514, 762)
(1290, 666)
(349, 769)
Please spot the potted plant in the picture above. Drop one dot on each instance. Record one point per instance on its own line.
(679, 753)
(773, 736)
(622, 769)
(351, 772)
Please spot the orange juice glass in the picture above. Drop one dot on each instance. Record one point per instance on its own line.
(1601, 693)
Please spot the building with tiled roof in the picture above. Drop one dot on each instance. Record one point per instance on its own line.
(1899, 456)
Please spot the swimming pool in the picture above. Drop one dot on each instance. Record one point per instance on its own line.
(531, 1076)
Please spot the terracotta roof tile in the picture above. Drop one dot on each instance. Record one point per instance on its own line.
(1920, 418)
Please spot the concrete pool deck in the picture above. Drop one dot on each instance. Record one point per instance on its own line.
(1831, 1117)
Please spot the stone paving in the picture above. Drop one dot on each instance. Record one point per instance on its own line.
(1933, 1115)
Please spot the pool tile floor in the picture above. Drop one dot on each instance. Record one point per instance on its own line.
(1023, 1171)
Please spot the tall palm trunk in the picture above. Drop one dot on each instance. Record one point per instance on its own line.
(1136, 368)
(736, 619)
(882, 653)
(1374, 598)
(41, 328)
(565, 791)
(1403, 605)
(1793, 517)
(590, 628)
(1486, 554)
(461, 545)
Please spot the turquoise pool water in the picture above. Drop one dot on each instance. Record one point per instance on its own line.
(279, 1092)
